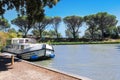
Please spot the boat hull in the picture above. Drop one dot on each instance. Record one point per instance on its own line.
(35, 55)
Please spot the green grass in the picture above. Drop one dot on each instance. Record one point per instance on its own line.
(77, 43)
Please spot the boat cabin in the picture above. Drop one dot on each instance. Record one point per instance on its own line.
(20, 43)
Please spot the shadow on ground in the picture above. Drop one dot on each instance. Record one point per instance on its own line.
(5, 62)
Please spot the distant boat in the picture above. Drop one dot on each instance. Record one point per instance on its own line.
(28, 49)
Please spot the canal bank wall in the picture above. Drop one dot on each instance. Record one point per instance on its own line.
(24, 70)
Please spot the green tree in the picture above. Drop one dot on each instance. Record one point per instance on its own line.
(23, 24)
(73, 23)
(68, 34)
(87, 34)
(3, 37)
(41, 26)
(13, 33)
(12, 30)
(90, 21)
(104, 21)
(4, 25)
(33, 9)
(45, 33)
(118, 27)
(55, 22)
(35, 32)
(52, 34)
(97, 35)
(112, 32)
(49, 34)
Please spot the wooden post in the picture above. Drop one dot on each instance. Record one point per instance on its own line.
(12, 59)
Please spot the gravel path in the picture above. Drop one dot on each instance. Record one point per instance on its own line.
(22, 70)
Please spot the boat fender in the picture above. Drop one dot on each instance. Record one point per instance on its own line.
(52, 55)
(34, 57)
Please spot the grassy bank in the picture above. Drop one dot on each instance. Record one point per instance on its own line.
(92, 42)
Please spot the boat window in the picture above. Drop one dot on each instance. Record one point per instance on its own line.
(21, 41)
(14, 41)
(26, 41)
(17, 46)
(22, 46)
(13, 46)
(27, 46)
(8, 46)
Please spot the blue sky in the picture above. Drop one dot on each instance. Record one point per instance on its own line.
(80, 8)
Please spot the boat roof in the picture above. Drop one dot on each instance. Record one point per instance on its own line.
(22, 40)
(19, 38)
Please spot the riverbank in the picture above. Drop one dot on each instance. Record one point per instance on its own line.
(23, 70)
(111, 41)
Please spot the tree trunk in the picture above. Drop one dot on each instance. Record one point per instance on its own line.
(102, 33)
(40, 34)
(74, 35)
(24, 36)
(92, 34)
(56, 34)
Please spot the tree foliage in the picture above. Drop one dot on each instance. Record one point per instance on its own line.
(68, 34)
(3, 37)
(52, 34)
(118, 27)
(41, 26)
(4, 24)
(73, 23)
(23, 24)
(33, 9)
(112, 32)
(90, 21)
(104, 21)
(13, 33)
(46, 34)
(56, 22)
(12, 30)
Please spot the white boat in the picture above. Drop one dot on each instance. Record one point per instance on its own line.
(26, 48)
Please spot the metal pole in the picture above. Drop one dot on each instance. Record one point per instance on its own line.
(12, 59)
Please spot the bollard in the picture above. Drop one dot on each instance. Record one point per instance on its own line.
(12, 59)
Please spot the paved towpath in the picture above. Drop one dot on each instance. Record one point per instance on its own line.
(22, 70)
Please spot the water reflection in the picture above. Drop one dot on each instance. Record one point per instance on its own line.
(98, 62)
(46, 63)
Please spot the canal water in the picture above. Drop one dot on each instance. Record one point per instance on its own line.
(97, 61)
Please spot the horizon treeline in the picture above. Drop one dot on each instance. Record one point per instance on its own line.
(98, 26)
